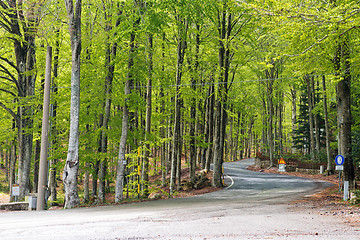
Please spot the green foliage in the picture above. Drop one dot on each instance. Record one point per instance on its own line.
(293, 38)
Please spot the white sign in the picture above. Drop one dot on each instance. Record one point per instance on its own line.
(15, 190)
(339, 167)
(282, 168)
(124, 162)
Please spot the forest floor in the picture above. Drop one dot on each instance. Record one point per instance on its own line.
(328, 202)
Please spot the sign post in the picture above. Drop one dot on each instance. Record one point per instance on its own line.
(282, 165)
(339, 160)
(15, 191)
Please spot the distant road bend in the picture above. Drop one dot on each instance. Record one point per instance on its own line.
(254, 206)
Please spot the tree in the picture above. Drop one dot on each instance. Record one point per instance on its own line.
(120, 172)
(20, 21)
(70, 173)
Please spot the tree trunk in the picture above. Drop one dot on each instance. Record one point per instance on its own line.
(110, 68)
(120, 172)
(70, 172)
(145, 172)
(316, 117)
(270, 135)
(36, 165)
(343, 93)
(54, 131)
(210, 124)
(327, 132)
(181, 46)
(217, 172)
(293, 115)
(311, 120)
(162, 130)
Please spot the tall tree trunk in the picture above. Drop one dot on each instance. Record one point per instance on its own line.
(311, 119)
(315, 116)
(327, 132)
(210, 125)
(270, 134)
(21, 24)
(145, 172)
(110, 68)
(70, 172)
(216, 182)
(181, 46)
(163, 155)
(280, 131)
(293, 116)
(343, 93)
(54, 132)
(120, 172)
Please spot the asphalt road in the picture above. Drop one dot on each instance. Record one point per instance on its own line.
(254, 206)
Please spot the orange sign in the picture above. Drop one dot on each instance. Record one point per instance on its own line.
(281, 161)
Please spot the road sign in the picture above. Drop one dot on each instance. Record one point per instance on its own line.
(282, 168)
(339, 160)
(281, 161)
(339, 167)
(15, 190)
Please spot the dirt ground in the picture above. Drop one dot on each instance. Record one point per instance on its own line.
(328, 202)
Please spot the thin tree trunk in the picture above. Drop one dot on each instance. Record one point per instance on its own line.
(327, 132)
(210, 124)
(311, 120)
(54, 132)
(293, 115)
(270, 126)
(316, 117)
(120, 172)
(145, 172)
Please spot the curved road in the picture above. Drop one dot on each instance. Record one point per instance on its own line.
(254, 206)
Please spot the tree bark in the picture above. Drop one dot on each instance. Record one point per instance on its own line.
(316, 117)
(343, 93)
(293, 115)
(327, 132)
(53, 163)
(311, 119)
(181, 46)
(70, 173)
(120, 171)
(210, 126)
(145, 172)
(21, 24)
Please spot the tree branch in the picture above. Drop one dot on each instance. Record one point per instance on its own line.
(14, 115)
(10, 63)
(6, 71)
(307, 49)
(7, 91)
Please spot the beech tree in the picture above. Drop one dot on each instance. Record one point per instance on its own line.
(70, 173)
